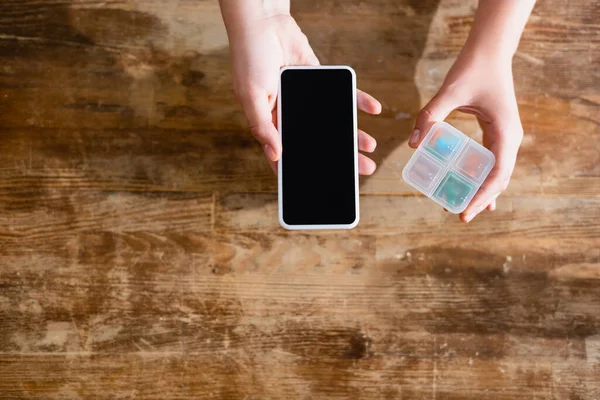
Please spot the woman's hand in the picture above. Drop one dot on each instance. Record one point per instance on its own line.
(259, 49)
(481, 85)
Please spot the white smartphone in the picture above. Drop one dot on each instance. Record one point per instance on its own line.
(318, 169)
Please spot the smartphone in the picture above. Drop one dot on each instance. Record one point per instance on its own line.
(318, 169)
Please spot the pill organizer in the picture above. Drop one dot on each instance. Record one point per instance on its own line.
(449, 167)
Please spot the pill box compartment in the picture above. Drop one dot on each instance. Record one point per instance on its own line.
(454, 192)
(424, 172)
(443, 143)
(448, 167)
(475, 162)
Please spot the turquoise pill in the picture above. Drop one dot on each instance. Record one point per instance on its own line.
(454, 190)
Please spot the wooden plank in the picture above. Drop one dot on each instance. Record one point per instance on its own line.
(45, 213)
(131, 161)
(186, 323)
(233, 374)
(279, 374)
(192, 290)
(229, 375)
(207, 315)
(201, 252)
(559, 218)
(114, 88)
(322, 254)
(492, 255)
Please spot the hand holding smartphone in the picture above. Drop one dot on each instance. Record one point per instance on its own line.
(318, 170)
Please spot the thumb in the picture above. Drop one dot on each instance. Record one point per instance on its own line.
(302, 52)
(438, 108)
(308, 56)
(260, 118)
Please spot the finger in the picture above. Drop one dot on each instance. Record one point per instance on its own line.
(258, 112)
(492, 187)
(366, 142)
(505, 148)
(492, 205)
(496, 183)
(367, 103)
(436, 110)
(273, 165)
(366, 166)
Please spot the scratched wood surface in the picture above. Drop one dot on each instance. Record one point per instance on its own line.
(140, 255)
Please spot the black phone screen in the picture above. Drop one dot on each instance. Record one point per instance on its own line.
(317, 129)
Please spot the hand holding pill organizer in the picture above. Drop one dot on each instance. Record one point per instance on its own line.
(449, 167)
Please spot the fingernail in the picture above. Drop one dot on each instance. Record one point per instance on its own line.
(469, 218)
(270, 152)
(414, 139)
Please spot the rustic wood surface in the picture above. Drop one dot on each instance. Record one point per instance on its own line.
(140, 255)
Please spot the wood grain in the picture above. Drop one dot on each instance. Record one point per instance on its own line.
(140, 254)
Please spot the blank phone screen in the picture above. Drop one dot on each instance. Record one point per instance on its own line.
(317, 129)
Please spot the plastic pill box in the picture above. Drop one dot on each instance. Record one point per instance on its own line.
(449, 167)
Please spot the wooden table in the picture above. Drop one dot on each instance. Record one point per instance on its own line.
(140, 254)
